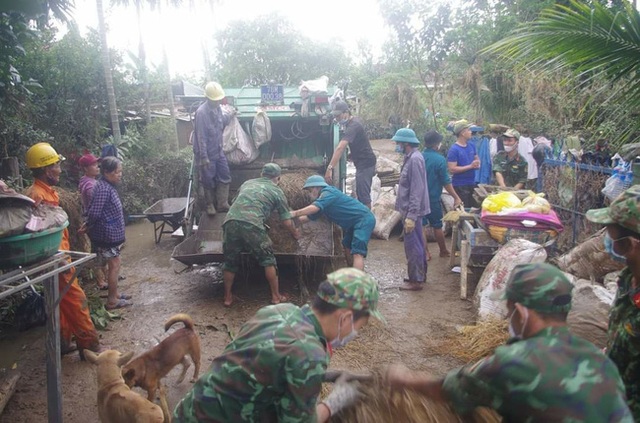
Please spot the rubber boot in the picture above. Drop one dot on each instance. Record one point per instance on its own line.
(208, 195)
(222, 197)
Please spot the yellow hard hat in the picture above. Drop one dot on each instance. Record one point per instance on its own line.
(214, 91)
(42, 155)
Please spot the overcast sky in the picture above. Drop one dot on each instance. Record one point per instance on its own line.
(183, 30)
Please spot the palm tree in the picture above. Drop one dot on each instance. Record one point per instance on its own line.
(597, 46)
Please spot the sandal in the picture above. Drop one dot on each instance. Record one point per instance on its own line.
(124, 296)
(120, 304)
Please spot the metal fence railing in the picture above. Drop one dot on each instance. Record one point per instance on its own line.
(572, 189)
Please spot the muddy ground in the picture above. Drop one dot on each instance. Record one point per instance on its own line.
(417, 322)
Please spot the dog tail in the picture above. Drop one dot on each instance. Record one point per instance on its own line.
(181, 317)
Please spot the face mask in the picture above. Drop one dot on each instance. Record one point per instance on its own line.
(608, 247)
(512, 331)
(399, 149)
(509, 148)
(338, 342)
(343, 122)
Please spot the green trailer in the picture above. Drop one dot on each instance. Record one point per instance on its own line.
(304, 137)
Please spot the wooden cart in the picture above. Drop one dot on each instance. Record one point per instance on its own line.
(476, 249)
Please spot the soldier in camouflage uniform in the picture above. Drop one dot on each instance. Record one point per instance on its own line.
(244, 229)
(273, 370)
(509, 167)
(622, 242)
(544, 373)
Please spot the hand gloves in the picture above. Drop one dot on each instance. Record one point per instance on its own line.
(409, 225)
(344, 394)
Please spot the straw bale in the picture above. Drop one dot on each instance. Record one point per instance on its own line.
(71, 204)
(472, 343)
(380, 404)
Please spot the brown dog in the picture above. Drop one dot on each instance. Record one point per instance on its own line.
(117, 403)
(146, 370)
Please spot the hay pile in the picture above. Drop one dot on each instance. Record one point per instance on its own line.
(282, 240)
(72, 205)
(382, 405)
(472, 343)
(292, 183)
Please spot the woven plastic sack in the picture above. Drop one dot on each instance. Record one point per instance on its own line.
(237, 145)
(385, 213)
(496, 202)
(497, 272)
(261, 128)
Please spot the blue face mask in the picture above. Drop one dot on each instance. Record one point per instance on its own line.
(608, 247)
(399, 149)
(341, 342)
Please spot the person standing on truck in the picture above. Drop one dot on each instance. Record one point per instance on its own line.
(462, 161)
(413, 204)
(543, 374)
(355, 219)
(244, 231)
(355, 137)
(207, 150)
(273, 370)
(509, 167)
(75, 320)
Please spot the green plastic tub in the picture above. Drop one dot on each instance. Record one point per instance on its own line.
(20, 250)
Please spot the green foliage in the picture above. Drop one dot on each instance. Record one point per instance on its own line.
(596, 48)
(146, 181)
(269, 48)
(100, 316)
(153, 141)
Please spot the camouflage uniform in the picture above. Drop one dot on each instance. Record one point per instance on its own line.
(623, 345)
(274, 368)
(552, 376)
(513, 171)
(243, 228)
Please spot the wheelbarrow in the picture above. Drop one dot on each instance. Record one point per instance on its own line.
(168, 211)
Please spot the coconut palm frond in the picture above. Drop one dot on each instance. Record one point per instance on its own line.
(589, 42)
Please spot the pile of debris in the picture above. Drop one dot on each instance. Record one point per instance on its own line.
(588, 266)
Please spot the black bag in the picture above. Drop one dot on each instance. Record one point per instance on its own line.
(31, 312)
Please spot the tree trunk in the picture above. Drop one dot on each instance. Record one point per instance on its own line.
(108, 77)
(144, 72)
(172, 108)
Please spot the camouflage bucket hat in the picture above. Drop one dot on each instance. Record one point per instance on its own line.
(624, 210)
(460, 125)
(538, 286)
(355, 290)
(271, 170)
(512, 133)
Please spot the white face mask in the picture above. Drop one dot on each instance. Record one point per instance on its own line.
(509, 148)
(341, 342)
(512, 331)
